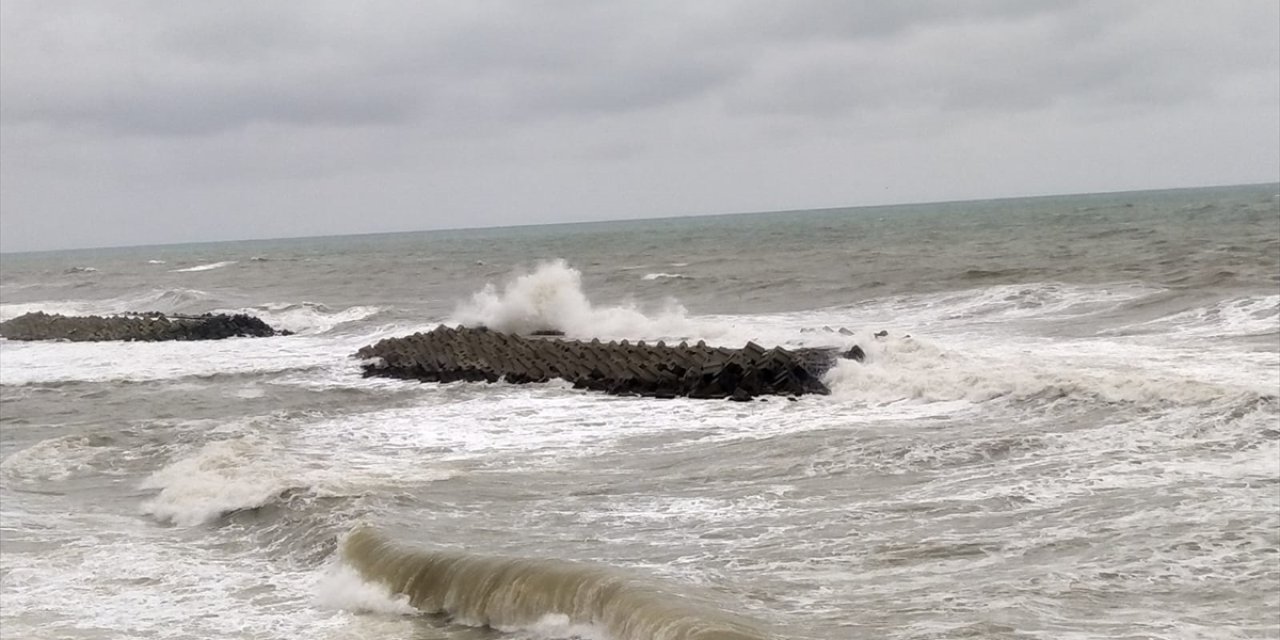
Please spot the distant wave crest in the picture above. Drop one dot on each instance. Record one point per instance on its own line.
(204, 267)
(307, 317)
(177, 300)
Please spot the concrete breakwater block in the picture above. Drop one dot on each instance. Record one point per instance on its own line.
(447, 354)
(131, 327)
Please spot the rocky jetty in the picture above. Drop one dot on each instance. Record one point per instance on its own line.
(448, 354)
(139, 326)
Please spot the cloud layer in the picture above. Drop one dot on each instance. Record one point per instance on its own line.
(141, 122)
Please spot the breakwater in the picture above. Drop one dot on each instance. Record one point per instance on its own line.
(447, 354)
(134, 327)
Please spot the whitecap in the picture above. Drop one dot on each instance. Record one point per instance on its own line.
(222, 477)
(308, 318)
(551, 298)
(899, 367)
(342, 587)
(204, 267)
(666, 276)
(58, 459)
(1241, 316)
(163, 300)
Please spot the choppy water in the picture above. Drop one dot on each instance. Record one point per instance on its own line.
(1072, 430)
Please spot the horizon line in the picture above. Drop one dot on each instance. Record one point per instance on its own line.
(643, 219)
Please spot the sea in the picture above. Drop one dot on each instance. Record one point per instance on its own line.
(1067, 426)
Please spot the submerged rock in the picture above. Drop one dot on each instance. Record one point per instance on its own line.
(134, 327)
(448, 354)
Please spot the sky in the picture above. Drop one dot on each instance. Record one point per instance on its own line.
(126, 123)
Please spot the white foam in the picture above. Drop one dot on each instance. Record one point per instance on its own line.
(1001, 303)
(259, 461)
(558, 626)
(665, 276)
(306, 318)
(204, 267)
(100, 575)
(977, 370)
(58, 459)
(163, 300)
(223, 476)
(552, 298)
(155, 262)
(341, 587)
(50, 362)
(1241, 316)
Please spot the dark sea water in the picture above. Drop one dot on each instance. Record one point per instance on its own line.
(1071, 430)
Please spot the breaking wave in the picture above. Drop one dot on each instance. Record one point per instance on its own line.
(532, 594)
(1241, 316)
(901, 367)
(666, 276)
(163, 300)
(551, 298)
(307, 318)
(1001, 303)
(60, 458)
(204, 267)
(221, 478)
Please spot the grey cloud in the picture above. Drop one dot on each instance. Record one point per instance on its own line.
(246, 118)
(201, 73)
(810, 20)
(155, 73)
(1026, 60)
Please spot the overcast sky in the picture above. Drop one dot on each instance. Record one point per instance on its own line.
(150, 122)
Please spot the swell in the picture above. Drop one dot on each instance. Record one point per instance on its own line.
(519, 593)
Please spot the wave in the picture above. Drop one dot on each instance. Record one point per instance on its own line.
(81, 270)
(551, 298)
(534, 594)
(58, 459)
(307, 318)
(901, 367)
(1034, 300)
(221, 478)
(1241, 316)
(155, 262)
(300, 317)
(204, 267)
(665, 276)
(164, 300)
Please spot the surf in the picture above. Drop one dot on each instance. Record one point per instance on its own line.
(511, 593)
(551, 298)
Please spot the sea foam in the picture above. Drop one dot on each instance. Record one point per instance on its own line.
(551, 298)
(222, 477)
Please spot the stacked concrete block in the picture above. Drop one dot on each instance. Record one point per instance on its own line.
(448, 354)
(131, 327)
